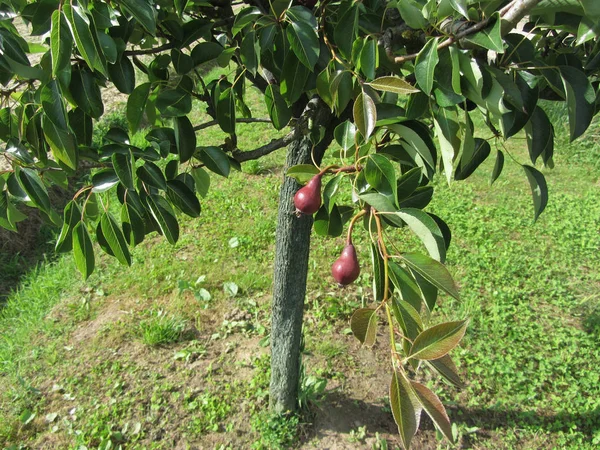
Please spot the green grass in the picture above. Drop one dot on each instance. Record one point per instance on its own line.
(161, 329)
(530, 355)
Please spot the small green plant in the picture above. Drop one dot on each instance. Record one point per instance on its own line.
(358, 435)
(253, 167)
(161, 329)
(276, 431)
(210, 411)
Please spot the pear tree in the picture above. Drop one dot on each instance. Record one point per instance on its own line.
(397, 85)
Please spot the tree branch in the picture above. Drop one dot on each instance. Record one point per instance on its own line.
(212, 123)
(150, 51)
(510, 16)
(275, 144)
(513, 13)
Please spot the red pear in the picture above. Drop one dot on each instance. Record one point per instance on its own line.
(308, 198)
(346, 269)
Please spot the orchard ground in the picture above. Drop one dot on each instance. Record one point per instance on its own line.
(173, 352)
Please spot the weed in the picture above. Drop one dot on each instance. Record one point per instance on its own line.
(276, 431)
(161, 329)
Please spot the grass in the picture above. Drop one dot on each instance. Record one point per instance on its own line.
(162, 355)
(161, 329)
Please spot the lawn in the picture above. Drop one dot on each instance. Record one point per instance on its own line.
(174, 351)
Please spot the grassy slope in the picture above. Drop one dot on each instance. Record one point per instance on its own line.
(77, 355)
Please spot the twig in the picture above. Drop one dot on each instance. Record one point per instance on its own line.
(275, 144)
(511, 14)
(212, 123)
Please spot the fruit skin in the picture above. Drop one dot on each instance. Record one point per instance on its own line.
(346, 269)
(308, 198)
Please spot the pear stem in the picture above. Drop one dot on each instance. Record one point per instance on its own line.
(351, 226)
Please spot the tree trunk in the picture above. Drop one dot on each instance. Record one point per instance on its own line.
(291, 267)
(289, 288)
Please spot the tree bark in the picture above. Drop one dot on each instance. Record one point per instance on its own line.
(292, 246)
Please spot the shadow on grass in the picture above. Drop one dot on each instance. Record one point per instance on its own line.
(339, 414)
(22, 251)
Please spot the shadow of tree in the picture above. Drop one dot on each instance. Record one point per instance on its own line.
(339, 414)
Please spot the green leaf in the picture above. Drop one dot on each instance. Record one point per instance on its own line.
(206, 51)
(35, 189)
(540, 136)
(5, 207)
(498, 166)
(294, 76)
(365, 114)
(433, 271)
(103, 180)
(344, 33)
(412, 14)
(426, 230)
(136, 104)
(434, 408)
(466, 167)
(381, 175)
(341, 89)
(408, 318)
(250, 52)
(460, 6)
(447, 129)
(52, 103)
(123, 166)
(378, 201)
(489, 37)
(395, 85)
(405, 407)
(345, 135)
(215, 160)
(79, 23)
(61, 42)
(143, 11)
(302, 172)
(245, 17)
(83, 127)
(447, 369)
(328, 223)
(226, 111)
(425, 65)
(183, 198)
(108, 46)
(437, 341)
(411, 136)
(115, 238)
(122, 74)
(151, 174)
(364, 325)
(405, 285)
(279, 112)
(369, 58)
(581, 100)
(185, 138)
(174, 102)
(62, 143)
(133, 224)
(86, 93)
(71, 216)
(378, 273)
(83, 251)
(181, 62)
(164, 216)
(539, 189)
(202, 179)
(303, 39)
(408, 182)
